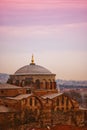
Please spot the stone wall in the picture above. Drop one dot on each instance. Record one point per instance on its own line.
(13, 119)
(11, 92)
(36, 81)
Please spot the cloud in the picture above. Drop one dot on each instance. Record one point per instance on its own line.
(42, 12)
(20, 39)
(38, 29)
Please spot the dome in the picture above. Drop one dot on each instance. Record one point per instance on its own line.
(32, 69)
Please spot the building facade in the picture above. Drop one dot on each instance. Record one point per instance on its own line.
(31, 91)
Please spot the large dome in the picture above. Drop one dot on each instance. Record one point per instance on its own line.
(32, 69)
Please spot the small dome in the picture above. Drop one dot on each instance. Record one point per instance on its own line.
(32, 69)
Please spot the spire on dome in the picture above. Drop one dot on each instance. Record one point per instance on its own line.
(32, 60)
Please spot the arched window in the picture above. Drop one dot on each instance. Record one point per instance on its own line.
(35, 102)
(67, 102)
(54, 85)
(50, 85)
(62, 108)
(57, 102)
(46, 85)
(22, 83)
(36, 111)
(17, 82)
(37, 84)
(57, 109)
(62, 100)
(67, 108)
(28, 81)
(28, 91)
(30, 101)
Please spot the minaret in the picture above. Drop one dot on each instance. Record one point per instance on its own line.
(32, 60)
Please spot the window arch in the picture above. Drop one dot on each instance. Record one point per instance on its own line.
(28, 81)
(23, 83)
(35, 105)
(30, 101)
(44, 84)
(35, 101)
(17, 82)
(57, 101)
(28, 91)
(49, 84)
(62, 100)
(37, 84)
(67, 101)
(57, 109)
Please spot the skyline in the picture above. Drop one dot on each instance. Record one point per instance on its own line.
(55, 31)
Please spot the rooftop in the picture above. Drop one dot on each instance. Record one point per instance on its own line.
(8, 86)
(32, 69)
(20, 97)
(82, 108)
(51, 96)
(5, 109)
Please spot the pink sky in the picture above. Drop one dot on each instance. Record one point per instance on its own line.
(40, 12)
(47, 28)
(21, 12)
(40, 4)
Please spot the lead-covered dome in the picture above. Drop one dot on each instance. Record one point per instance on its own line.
(32, 69)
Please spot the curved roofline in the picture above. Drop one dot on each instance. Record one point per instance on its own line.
(34, 74)
(33, 69)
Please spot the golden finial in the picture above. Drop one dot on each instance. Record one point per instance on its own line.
(32, 60)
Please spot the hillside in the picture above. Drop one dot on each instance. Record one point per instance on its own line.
(71, 82)
(3, 77)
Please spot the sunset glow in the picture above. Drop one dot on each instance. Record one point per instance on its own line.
(55, 31)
